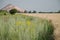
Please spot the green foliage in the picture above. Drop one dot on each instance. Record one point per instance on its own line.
(3, 12)
(22, 27)
(13, 11)
(29, 12)
(59, 11)
(34, 11)
(39, 12)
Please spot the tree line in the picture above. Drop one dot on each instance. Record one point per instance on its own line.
(13, 11)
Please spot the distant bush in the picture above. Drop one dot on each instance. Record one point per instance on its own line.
(4, 12)
(29, 12)
(34, 11)
(39, 12)
(59, 11)
(13, 11)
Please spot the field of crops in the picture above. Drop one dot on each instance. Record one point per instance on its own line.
(22, 27)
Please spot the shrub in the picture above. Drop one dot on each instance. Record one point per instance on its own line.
(13, 11)
(29, 12)
(3, 12)
(59, 11)
(39, 12)
(34, 11)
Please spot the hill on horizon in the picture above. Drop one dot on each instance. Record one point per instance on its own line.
(10, 6)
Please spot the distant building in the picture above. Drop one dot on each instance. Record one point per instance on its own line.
(10, 6)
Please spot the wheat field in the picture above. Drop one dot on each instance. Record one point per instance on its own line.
(55, 18)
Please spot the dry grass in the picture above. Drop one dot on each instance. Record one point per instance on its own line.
(55, 20)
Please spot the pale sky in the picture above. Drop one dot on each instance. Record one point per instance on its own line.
(38, 5)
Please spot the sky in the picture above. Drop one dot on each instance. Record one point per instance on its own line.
(38, 5)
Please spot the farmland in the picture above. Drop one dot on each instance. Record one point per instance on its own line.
(24, 27)
(55, 18)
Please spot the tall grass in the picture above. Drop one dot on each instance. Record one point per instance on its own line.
(22, 27)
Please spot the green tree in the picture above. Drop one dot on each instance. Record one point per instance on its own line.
(29, 12)
(59, 11)
(13, 11)
(34, 11)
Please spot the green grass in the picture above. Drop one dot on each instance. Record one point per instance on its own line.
(22, 27)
